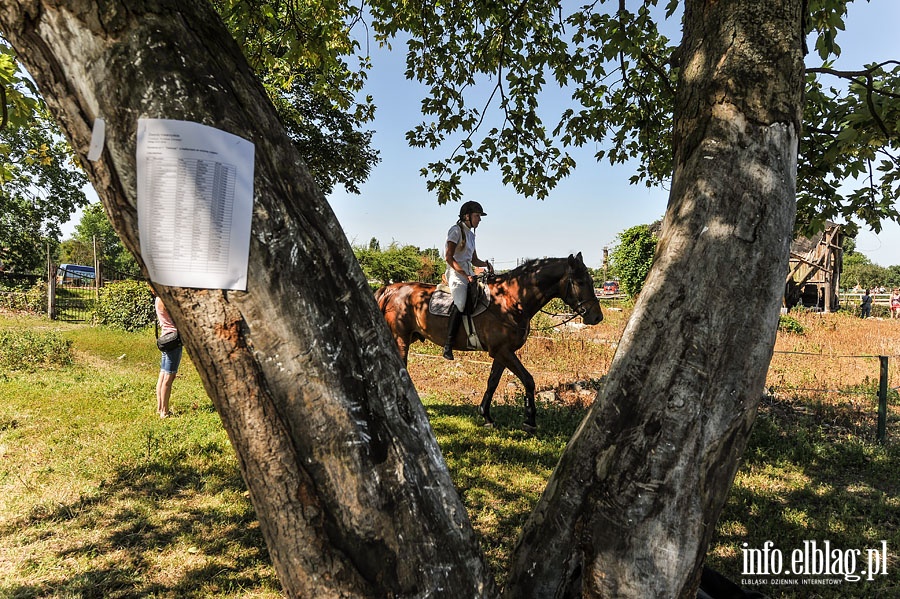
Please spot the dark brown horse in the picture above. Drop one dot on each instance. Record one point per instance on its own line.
(515, 297)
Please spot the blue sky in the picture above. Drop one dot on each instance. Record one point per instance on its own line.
(584, 213)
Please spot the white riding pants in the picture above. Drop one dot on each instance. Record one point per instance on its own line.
(459, 288)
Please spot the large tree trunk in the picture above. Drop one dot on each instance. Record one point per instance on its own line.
(350, 488)
(632, 505)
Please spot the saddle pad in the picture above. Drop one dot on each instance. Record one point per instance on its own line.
(441, 301)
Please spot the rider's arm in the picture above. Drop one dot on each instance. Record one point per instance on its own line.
(476, 261)
(451, 260)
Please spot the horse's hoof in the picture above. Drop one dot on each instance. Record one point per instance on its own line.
(488, 421)
(529, 428)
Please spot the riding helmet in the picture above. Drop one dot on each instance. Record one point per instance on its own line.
(471, 207)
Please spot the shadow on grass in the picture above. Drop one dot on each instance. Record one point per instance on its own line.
(805, 476)
(801, 482)
(163, 528)
(500, 472)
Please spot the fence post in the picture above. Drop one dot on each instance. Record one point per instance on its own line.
(98, 283)
(882, 398)
(51, 286)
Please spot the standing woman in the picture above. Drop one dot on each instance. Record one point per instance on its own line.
(461, 257)
(866, 304)
(171, 358)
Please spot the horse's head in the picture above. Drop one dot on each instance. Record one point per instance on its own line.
(580, 294)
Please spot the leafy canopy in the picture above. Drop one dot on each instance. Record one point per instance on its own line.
(40, 187)
(299, 51)
(495, 72)
(619, 72)
(399, 263)
(118, 263)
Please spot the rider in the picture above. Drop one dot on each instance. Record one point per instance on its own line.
(461, 257)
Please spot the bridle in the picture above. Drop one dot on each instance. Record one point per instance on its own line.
(580, 309)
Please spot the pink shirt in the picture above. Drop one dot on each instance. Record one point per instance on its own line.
(165, 321)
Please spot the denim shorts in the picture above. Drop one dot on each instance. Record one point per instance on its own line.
(170, 360)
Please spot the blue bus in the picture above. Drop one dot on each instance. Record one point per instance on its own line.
(75, 274)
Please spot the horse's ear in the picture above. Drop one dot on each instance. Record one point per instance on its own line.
(575, 260)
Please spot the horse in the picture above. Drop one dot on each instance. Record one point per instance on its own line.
(503, 327)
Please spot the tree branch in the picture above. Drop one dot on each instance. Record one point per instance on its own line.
(853, 76)
(5, 118)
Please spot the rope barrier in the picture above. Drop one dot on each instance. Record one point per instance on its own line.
(881, 394)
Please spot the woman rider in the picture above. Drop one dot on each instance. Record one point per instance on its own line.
(461, 259)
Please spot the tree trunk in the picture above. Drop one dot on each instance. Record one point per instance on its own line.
(349, 485)
(631, 507)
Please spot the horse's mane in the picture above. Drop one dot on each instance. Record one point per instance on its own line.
(530, 266)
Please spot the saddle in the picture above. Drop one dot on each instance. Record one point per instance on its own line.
(478, 301)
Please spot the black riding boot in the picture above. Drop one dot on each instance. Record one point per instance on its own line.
(455, 318)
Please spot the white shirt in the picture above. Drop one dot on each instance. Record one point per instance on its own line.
(463, 255)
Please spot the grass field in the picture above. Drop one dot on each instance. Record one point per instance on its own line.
(101, 498)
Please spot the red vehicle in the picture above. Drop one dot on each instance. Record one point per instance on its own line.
(610, 288)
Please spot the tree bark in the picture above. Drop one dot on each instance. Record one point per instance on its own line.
(349, 485)
(631, 507)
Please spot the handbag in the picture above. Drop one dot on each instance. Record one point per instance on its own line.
(169, 341)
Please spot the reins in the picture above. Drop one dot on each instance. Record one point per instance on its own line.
(579, 311)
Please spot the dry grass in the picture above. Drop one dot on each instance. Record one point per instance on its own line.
(833, 363)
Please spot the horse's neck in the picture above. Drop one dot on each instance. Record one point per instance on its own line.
(545, 285)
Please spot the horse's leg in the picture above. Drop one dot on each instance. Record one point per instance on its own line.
(515, 366)
(493, 380)
(403, 346)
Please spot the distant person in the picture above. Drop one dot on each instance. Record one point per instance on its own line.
(171, 359)
(866, 305)
(895, 303)
(461, 257)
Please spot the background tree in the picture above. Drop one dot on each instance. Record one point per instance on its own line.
(398, 263)
(859, 270)
(632, 258)
(73, 251)
(40, 187)
(94, 224)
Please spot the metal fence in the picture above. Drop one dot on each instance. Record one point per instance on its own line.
(68, 295)
(74, 297)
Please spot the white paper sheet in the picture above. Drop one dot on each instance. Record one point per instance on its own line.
(195, 204)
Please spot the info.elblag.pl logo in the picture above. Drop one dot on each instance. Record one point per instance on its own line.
(813, 563)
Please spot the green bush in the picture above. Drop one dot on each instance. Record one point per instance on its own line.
(126, 305)
(633, 256)
(27, 350)
(32, 300)
(788, 324)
